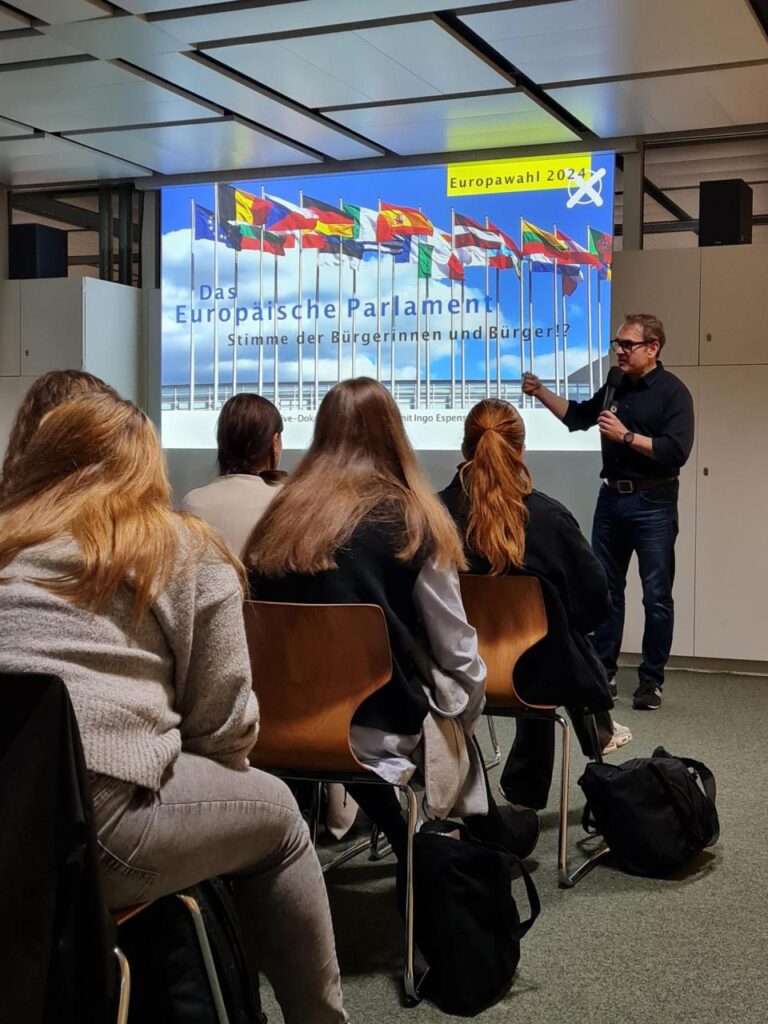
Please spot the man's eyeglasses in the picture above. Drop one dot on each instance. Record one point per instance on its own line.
(618, 344)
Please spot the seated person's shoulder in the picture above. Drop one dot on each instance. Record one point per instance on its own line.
(543, 506)
(200, 559)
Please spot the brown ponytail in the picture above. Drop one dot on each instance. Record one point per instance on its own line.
(496, 480)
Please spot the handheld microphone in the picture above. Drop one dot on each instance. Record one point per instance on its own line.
(612, 381)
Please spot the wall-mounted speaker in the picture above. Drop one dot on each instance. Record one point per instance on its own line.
(725, 212)
(37, 251)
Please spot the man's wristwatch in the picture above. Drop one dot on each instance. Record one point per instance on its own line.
(629, 437)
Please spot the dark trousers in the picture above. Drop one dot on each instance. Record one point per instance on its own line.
(527, 775)
(644, 522)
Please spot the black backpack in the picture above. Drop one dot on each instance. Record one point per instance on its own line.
(169, 984)
(466, 923)
(654, 813)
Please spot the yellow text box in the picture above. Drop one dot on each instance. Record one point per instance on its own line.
(523, 174)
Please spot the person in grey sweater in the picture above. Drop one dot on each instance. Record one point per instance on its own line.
(138, 609)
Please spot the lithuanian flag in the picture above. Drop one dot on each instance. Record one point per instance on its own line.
(236, 206)
(538, 242)
(330, 219)
(400, 220)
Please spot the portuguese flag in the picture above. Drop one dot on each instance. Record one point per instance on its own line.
(601, 246)
(266, 241)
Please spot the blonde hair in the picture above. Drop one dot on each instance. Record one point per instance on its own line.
(496, 481)
(359, 466)
(94, 471)
(48, 391)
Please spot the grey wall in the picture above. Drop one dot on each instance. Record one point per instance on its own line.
(571, 477)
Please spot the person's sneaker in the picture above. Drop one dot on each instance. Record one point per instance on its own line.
(613, 686)
(647, 697)
(621, 737)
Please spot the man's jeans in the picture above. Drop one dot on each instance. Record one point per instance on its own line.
(644, 522)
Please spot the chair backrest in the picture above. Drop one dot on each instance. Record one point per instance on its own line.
(313, 665)
(509, 615)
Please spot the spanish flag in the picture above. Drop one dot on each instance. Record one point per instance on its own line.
(236, 206)
(400, 220)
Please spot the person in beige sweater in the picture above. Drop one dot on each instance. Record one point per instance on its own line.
(138, 609)
(249, 441)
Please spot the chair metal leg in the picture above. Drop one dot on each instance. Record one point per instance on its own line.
(124, 996)
(205, 948)
(379, 849)
(496, 759)
(566, 878)
(409, 980)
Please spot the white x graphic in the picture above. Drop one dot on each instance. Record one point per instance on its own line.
(589, 188)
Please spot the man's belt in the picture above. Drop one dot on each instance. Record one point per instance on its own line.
(630, 486)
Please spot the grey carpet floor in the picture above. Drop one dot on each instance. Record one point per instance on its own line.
(688, 950)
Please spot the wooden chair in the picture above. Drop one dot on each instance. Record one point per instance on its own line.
(510, 618)
(313, 665)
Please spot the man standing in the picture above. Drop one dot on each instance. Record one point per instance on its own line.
(646, 436)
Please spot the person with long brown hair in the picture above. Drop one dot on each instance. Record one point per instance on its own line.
(249, 441)
(358, 523)
(509, 527)
(138, 609)
(48, 390)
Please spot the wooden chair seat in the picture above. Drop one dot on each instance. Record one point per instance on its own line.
(126, 913)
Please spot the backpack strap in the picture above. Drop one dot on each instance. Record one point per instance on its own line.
(682, 803)
(533, 902)
(707, 778)
(588, 822)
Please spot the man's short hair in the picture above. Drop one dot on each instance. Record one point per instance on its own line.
(653, 328)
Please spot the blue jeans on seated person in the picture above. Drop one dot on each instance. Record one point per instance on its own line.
(644, 522)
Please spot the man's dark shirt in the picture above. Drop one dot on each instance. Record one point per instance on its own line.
(659, 406)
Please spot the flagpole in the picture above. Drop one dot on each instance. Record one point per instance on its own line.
(317, 325)
(589, 328)
(261, 304)
(352, 323)
(215, 300)
(487, 339)
(341, 285)
(276, 363)
(234, 333)
(565, 343)
(530, 316)
(523, 402)
(300, 324)
(378, 298)
(498, 341)
(453, 321)
(463, 350)
(599, 327)
(394, 324)
(554, 317)
(427, 367)
(418, 329)
(191, 306)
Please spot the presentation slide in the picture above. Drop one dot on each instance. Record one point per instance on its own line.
(446, 283)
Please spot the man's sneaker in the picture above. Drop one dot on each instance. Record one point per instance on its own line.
(647, 697)
(621, 737)
(613, 686)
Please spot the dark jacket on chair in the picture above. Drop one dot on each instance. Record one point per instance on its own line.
(563, 667)
(369, 573)
(56, 958)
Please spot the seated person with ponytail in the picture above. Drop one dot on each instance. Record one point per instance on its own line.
(508, 527)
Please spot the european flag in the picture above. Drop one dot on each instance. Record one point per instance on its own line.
(205, 224)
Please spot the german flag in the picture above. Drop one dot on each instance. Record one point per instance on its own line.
(400, 220)
(237, 206)
(330, 219)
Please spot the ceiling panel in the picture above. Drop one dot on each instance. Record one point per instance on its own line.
(221, 145)
(34, 46)
(46, 159)
(486, 122)
(192, 73)
(91, 94)
(292, 17)
(11, 22)
(10, 129)
(150, 6)
(672, 103)
(397, 62)
(582, 39)
(120, 36)
(58, 12)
